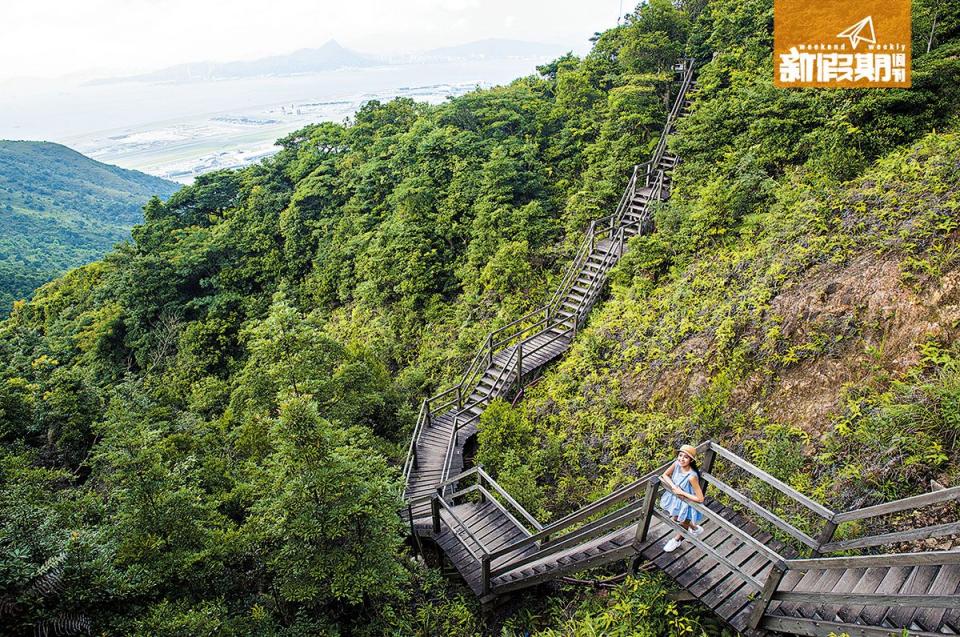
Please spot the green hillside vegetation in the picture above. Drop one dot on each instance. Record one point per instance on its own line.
(201, 433)
(60, 209)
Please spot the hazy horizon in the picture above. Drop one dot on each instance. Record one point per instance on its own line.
(180, 124)
(60, 40)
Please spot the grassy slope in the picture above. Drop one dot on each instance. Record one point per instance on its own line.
(60, 209)
(795, 341)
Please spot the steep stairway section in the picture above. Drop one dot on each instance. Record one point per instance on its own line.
(514, 354)
(746, 566)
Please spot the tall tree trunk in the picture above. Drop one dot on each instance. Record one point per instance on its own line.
(933, 28)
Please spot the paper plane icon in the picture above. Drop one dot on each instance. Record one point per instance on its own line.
(860, 32)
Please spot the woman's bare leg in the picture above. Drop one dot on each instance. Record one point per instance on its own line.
(686, 524)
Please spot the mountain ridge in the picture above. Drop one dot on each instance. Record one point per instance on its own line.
(60, 209)
(328, 57)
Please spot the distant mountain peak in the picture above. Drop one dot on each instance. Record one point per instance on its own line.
(329, 56)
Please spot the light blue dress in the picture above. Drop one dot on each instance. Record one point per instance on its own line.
(678, 507)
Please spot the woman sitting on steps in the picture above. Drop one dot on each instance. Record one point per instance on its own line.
(683, 476)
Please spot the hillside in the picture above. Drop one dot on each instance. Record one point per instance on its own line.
(60, 209)
(202, 432)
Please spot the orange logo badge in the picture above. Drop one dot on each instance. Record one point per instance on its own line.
(841, 43)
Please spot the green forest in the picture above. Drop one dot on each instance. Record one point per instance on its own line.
(60, 209)
(202, 432)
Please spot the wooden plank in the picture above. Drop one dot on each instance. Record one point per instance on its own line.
(820, 628)
(506, 496)
(896, 506)
(894, 582)
(721, 521)
(700, 576)
(491, 520)
(739, 597)
(708, 549)
(755, 565)
(712, 534)
(774, 577)
(939, 530)
(503, 536)
(845, 582)
(920, 580)
(848, 605)
(945, 583)
(506, 514)
(586, 563)
(712, 572)
(826, 582)
(933, 558)
(869, 583)
(709, 529)
(806, 583)
(492, 527)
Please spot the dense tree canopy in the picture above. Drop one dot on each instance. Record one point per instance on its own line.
(201, 433)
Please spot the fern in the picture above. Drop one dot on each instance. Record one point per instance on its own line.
(63, 624)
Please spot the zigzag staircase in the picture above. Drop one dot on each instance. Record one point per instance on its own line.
(745, 567)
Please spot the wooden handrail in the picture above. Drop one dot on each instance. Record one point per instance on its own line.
(721, 521)
(926, 558)
(616, 497)
(870, 599)
(503, 509)
(910, 535)
(519, 320)
(459, 477)
(466, 529)
(769, 516)
(412, 448)
(706, 548)
(609, 522)
(506, 496)
(514, 335)
(610, 226)
(787, 490)
(914, 502)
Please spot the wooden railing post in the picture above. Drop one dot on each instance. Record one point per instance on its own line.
(485, 574)
(709, 457)
(825, 536)
(489, 350)
(769, 588)
(435, 513)
(459, 396)
(520, 366)
(427, 420)
(649, 499)
(416, 459)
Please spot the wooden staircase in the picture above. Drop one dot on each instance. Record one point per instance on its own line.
(746, 566)
(514, 354)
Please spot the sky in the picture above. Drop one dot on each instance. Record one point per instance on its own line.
(57, 38)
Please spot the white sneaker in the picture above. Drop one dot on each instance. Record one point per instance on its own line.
(696, 531)
(671, 545)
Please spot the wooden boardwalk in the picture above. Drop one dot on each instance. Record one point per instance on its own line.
(746, 566)
(755, 582)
